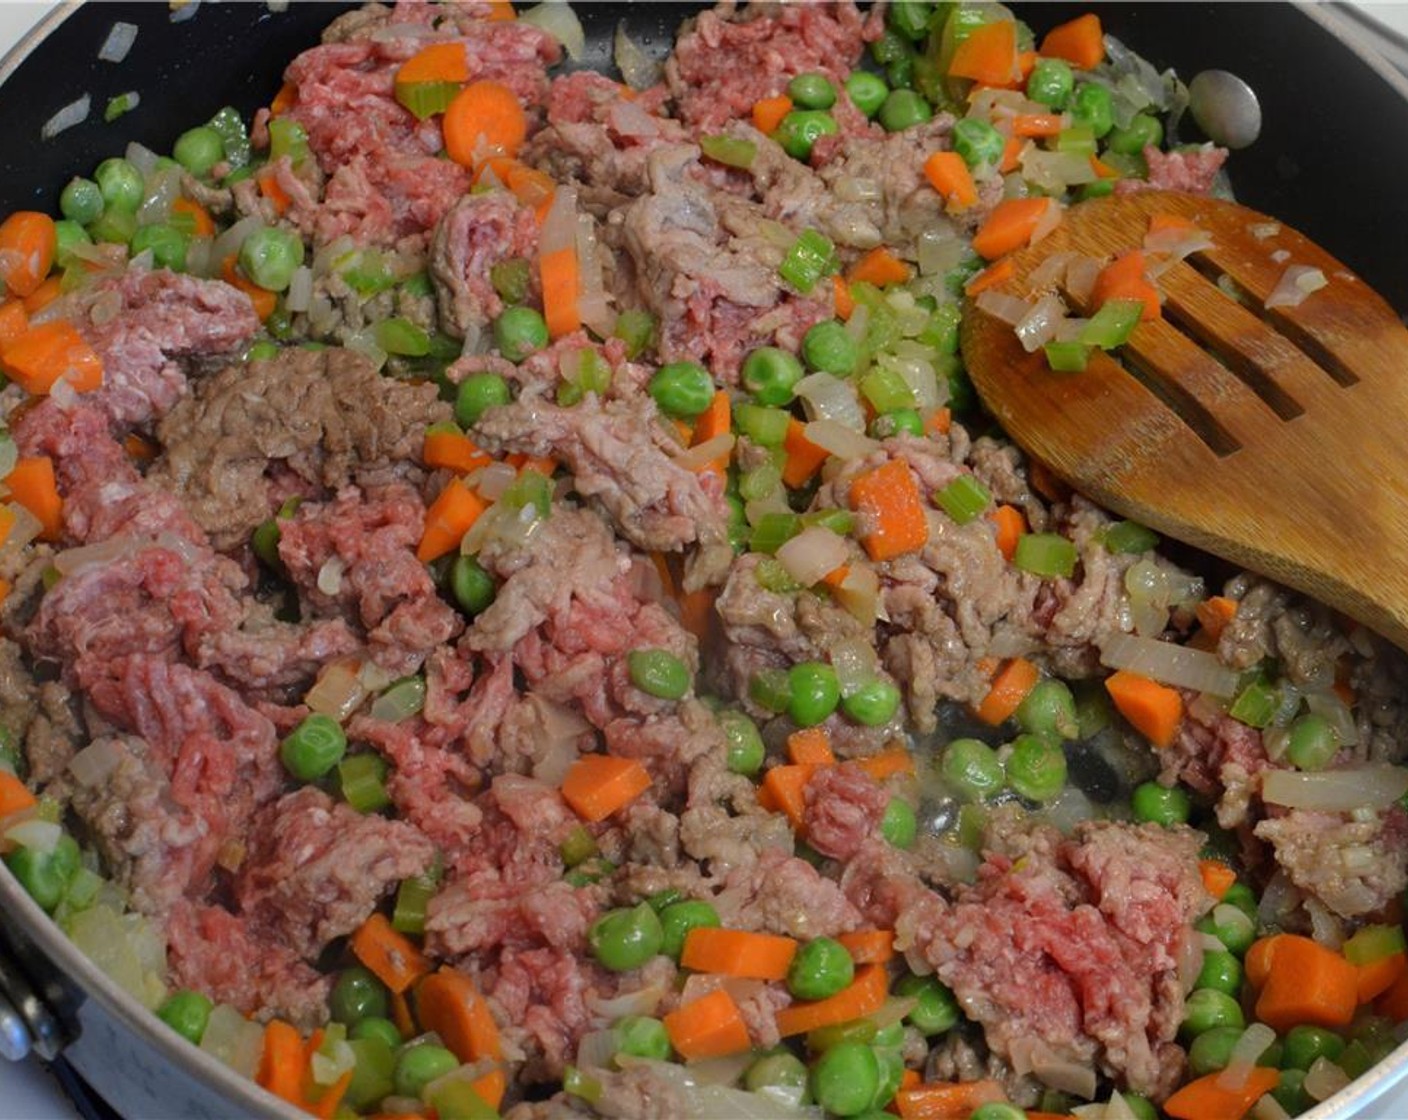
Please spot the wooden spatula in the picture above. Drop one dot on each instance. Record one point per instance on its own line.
(1277, 439)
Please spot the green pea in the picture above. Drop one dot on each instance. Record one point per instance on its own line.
(1036, 768)
(891, 1076)
(659, 673)
(1098, 189)
(520, 332)
(198, 150)
(845, 1078)
(1165, 805)
(1306, 1044)
(820, 969)
(1221, 971)
(978, 142)
(682, 389)
(779, 1074)
(997, 1110)
(903, 109)
(417, 1066)
(1212, 1050)
(1240, 895)
(1290, 1092)
(910, 18)
(899, 825)
(891, 1035)
(668, 897)
(867, 91)
(313, 748)
(800, 129)
(472, 587)
(626, 938)
(902, 421)
(643, 1037)
(1049, 709)
(814, 692)
(829, 347)
(375, 1027)
(637, 329)
(1142, 131)
(478, 393)
(269, 257)
(68, 235)
(1312, 742)
(120, 184)
(771, 689)
(45, 875)
(1051, 83)
(168, 245)
(972, 768)
(936, 1010)
(678, 918)
(770, 375)
(900, 74)
(745, 745)
(1231, 926)
(356, 995)
(373, 1073)
(874, 703)
(81, 201)
(812, 91)
(1207, 1008)
(1142, 1107)
(1093, 107)
(187, 1013)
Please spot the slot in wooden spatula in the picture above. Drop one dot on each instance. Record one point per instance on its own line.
(1277, 439)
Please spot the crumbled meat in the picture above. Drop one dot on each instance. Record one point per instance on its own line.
(480, 231)
(1354, 866)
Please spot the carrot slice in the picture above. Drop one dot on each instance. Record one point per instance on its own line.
(501, 11)
(783, 790)
(448, 519)
(269, 187)
(49, 351)
(804, 458)
(946, 1100)
(1258, 959)
(45, 294)
(32, 484)
(1012, 151)
(881, 268)
(401, 1015)
(714, 421)
(326, 1106)
(450, 449)
(697, 613)
(439, 62)
(869, 946)
(202, 224)
(282, 1062)
(949, 175)
(560, 276)
(1037, 124)
(13, 321)
(491, 1087)
(27, 243)
(1009, 688)
(1377, 977)
(1123, 278)
(1011, 225)
(896, 760)
(810, 746)
(708, 1027)
(1217, 877)
(485, 119)
(1214, 613)
(1103, 169)
(1394, 1002)
(891, 509)
(284, 100)
(1307, 983)
(768, 113)
(1010, 526)
(448, 1003)
(598, 785)
(263, 300)
(845, 302)
(996, 273)
(1081, 42)
(737, 952)
(864, 996)
(388, 953)
(1209, 1098)
(1153, 709)
(988, 55)
(14, 795)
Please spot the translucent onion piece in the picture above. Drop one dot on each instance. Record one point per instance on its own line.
(338, 691)
(1253, 1043)
(332, 256)
(233, 1039)
(812, 554)
(1324, 1079)
(839, 440)
(1001, 306)
(35, 834)
(707, 1102)
(1080, 277)
(859, 593)
(1170, 664)
(1050, 218)
(92, 765)
(940, 249)
(1051, 270)
(638, 69)
(75, 112)
(702, 454)
(854, 659)
(596, 1049)
(163, 188)
(1178, 243)
(1297, 282)
(1268, 1107)
(300, 289)
(72, 560)
(330, 575)
(1038, 326)
(559, 20)
(491, 481)
(826, 397)
(593, 300)
(364, 342)
(560, 225)
(642, 1001)
(1055, 171)
(1264, 230)
(1376, 786)
(327, 1068)
(120, 38)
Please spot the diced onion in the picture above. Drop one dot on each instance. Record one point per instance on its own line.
(120, 38)
(911, 361)
(702, 454)
(596, 1049)
(1064, 1076)
(181, 11)
(73, 560)
(300, 289)
(75, 112)
(559, 736)
(638, 69)
(560, 224)
(491, 481)
(557, 18)
(36, 834)
(1006, 308)
(1253, 1043)
(332, 257)
(1038, 326)
(1170, 664)
(1052, 270)
(812, 554)
(364, 342)
(1376, 786)
(593, 302)
(853, 659)
(708, 1102)
(837, 439)
(940, 249)
(1324, 1079)
(25, 529)
(1081, 275)
(327, 1068)
(642, 1001)
(233, 1039)
(338, 691)
(1264, 230)
(826, 397)
(1268, 1107)
(859, 594)
(1297, 282)
(1056, 171)
(1050, 218)
(94, 763)
(1178, 243)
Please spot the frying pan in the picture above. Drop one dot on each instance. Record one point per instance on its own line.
(1331, 161)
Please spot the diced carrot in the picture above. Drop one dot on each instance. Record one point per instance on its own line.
(1081, 42)
(326, 1106)
(1163, 221)
(1257, 961)
(737, 952)
(836, 577)
(988, 55)
(1010, 526)
(202, 224)
(268, 181)
(697, 612)
(1345, 691)
(501, 11)
(714, 421)
(1037, 124)
(896, 760)
(13, 321)
(869, 946)
(1123, 278)
(947, 1100)
(1209, 1098)
(448, 519)
(439, 62)
(598, 785)
(263, 300)
(863, 996)
(1393, 1003)
(768, 113)
(45, 294)
(282, 1062)
(1012, 150)
(530, 186)
(450, 449)
(845, 302)
(491, 1087)
(783, 790)
(14, 795)
(948, 174)
(908, 1080)
(1009, 688)
(881, 268)
(448, 1003)
(810, 746)
(32, 485)
(998, 272)
(1217, 877)
(27, 243)
(485, 119)
(50, 351)
(1307, 983)
(708, 1027)
(891, 509)
(1214, 613)
(388, 953)
(1010, 225)
(1103, 169)
(804, 458)
(1377, 977)
(284, 100)
(938, 422)
(544, 465)
(561, 278)
(401, 1015)
(1153, 709)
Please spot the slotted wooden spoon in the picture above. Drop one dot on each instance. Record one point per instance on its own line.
(1277, 439)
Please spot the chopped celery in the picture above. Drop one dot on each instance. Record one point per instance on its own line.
(362, 779)
(1067, 357)
(839, 521)
(122, 103)
(425, 99)
(366, 273)
(418, 286)
(1130, 537)
(1256, 705)
(1048, 555)
(529, 488)
(772, 576)
(773, 530)
(400, 336)
(811, 257)
(941, 332)
(729, 150)
(230, 126)
(964, 499)
(1373, 943)
(287, 138)
(412, 897)
(761, 482)
(886, 390)
(1079, 140)
(1112, 325)
(766, 427)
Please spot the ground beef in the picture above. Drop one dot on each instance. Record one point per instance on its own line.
(480, 231)
(844, 806)
(1355, 867)
(1192, 170)
(324, 415)
(784, 894)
